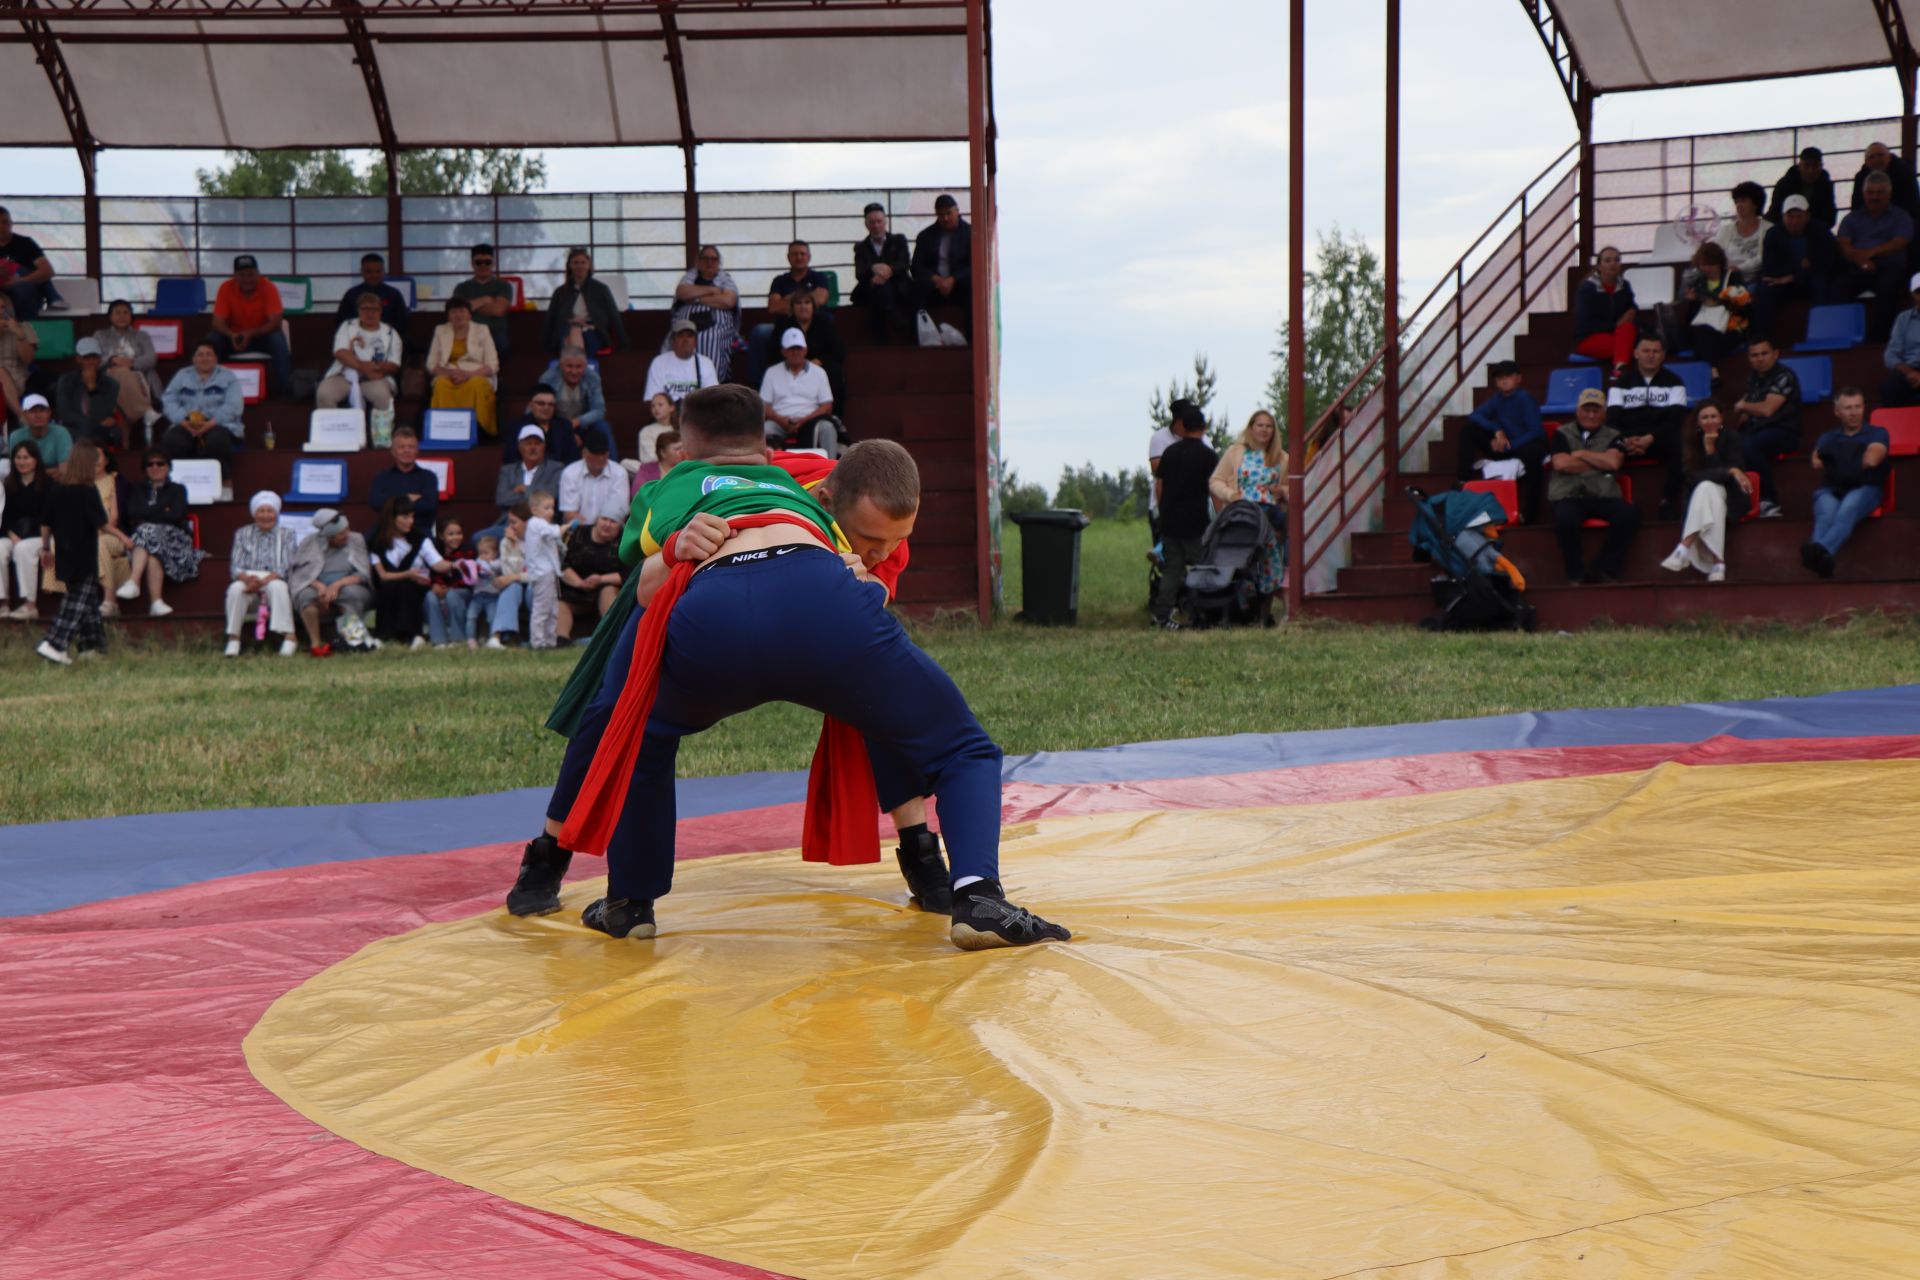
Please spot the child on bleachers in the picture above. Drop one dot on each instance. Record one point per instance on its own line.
(480, 574)
(661, 407)
(450, 595)
(543, 572)
(510, 576)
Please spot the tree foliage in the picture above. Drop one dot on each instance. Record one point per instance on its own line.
(1346, 325)
(433, 171)
(1020, 497)
(1104, 495)
(1200, 391)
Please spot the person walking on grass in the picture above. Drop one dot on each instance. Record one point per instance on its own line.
(70, 525)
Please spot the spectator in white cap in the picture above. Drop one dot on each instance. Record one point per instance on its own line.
(1796, 261)
(798, 401)
(1901, 386)
(54, 441)
(681, 368)
(86, 399)
(330, 574)
(534, 472)
(262, 558)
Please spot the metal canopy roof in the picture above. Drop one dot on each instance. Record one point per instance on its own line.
(391, 74)
(1615, 46)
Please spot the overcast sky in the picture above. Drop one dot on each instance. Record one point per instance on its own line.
(1143, 180)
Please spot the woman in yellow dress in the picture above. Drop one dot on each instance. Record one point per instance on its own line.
(465, 365)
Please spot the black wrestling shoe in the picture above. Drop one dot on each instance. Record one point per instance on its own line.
(620, 917)
(983, 918)
(926, 872)
(536, 890)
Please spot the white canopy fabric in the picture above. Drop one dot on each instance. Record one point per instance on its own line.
(1655, 44)
(178, 73)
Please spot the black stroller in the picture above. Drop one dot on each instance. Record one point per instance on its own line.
(1452, 530)
(1220, 584)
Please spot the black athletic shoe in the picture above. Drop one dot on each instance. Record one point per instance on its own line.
(983, 918)
(536, 890)
(926, 873)
(619, 917)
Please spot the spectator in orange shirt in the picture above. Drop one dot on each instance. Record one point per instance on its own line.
(246, 322)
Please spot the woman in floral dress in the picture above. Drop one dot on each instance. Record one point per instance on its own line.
(1255, 468)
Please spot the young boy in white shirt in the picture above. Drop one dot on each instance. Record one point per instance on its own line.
(543, 572)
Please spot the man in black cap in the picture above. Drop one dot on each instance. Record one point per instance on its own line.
(1807, 178)
(1186, 509)
(943, 261)
(246, 322)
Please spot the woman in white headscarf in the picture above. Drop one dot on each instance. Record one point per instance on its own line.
(262, 552)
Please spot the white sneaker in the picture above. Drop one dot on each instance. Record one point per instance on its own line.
(128, 589)
(288, 648)
(108, 609)
(1718, 573)
(419, 642)
(233, 646)
(493, 641)
(159, 609)
(1675, 562)
(51, 654)
(25, 613)
(226, 493)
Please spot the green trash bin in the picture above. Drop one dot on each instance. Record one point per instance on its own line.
(1050, 566)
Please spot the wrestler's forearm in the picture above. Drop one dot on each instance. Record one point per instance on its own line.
(653, 573)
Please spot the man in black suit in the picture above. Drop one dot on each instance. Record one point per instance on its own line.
(943, 261)
(881, 274)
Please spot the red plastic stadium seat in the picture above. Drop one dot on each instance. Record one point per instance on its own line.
(193, 525)
(1902, 428)
(1507, 492)
(1886, 504)
(1626, 494)
(1753, 491)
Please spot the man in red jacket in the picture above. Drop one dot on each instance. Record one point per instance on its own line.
(873, 493)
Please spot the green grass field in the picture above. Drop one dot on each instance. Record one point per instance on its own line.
(161, 727)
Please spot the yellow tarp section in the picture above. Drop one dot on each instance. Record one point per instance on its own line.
(1645, 1025)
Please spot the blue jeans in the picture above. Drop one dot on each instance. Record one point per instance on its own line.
(480, 613)
(1835, 515)
(447, 615)
(506, 609)
(847, 657)
(279, 359)
(27, 299)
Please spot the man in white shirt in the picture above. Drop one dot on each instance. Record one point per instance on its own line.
(366, 351)
(593, 487)
(682, 369)
(799, 403)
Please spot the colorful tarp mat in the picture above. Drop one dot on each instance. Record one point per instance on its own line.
(1564, 1008)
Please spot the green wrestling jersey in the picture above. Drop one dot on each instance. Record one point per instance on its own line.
(664, 506)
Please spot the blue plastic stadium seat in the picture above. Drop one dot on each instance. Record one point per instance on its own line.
(180, 296)
(1816, 377)
(1839, 327)
(1698, 375)
(1565, 385)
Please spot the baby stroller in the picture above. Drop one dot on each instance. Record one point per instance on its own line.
(1217, 582)
(1477, 590)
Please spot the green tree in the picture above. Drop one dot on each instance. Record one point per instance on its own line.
(1019, 497)
(1200, 391)
(433, 171)
(1346, 325)
(1104, 495)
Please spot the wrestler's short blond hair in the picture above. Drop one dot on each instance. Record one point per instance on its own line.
(879, 470)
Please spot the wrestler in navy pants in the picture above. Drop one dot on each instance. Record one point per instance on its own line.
(840, 653)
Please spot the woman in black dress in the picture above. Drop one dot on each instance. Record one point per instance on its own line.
(154, 512)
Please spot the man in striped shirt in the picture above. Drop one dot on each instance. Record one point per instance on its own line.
(1647, 405)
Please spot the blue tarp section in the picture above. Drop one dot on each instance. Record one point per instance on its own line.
(54, 865)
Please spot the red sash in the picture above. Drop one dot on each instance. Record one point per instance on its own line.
(841, 823)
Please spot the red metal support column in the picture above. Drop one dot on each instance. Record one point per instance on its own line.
(1390, 364)
(1909, 126)
(981, 194)
(1583, 115)
(46, 51)
(351, 15)
(677, 64)
(1296, 298)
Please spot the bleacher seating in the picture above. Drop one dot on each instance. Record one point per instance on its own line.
(1837, 327)
(1698, 375)
(1815, 374)
(1505, 492)
(1565, 385)
(923, 398)
(1902, 428)
(1626, 492)
(180, 296)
